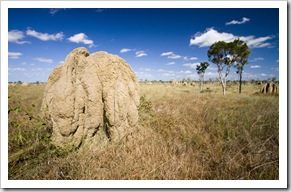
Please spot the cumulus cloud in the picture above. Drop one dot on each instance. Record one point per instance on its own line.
(140, 54)
(14, 55)
(45, 36)
(211, 36)
(81, 38)
(44, 60)
(234, 22)
(166, 53)
(191, 65)
(125, 50)
(15, 36)
(171, 63)
(255, 66)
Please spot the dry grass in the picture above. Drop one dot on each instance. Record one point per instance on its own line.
(182, 134)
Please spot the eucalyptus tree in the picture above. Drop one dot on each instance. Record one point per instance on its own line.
(239, 51)
(219, 54)
(201, 71)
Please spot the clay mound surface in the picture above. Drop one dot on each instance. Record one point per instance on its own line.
(91, 97)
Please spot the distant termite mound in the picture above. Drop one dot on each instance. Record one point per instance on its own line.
(269, 87)
(91, 97)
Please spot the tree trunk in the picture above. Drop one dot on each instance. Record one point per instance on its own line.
(224, 89)
(223, 84)
(240, 82)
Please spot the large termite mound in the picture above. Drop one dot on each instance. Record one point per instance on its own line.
(91, 97)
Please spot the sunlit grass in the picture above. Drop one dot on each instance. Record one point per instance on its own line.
(182, 134)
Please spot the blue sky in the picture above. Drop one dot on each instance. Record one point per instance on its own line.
(159, 44)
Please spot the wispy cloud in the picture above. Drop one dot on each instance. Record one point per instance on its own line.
(124, 50)
(191, 58)
(171, 63)
(166, 53)
(234, 22)
(140, 54)
(191, 65)
(168, 74)
(15, 36)
(56, 10)
(43, 60)
(14, 55)
(211, 36)
(143, 74)
(81, 38)
(16, 69)
(174, 56)
(186, 72)
(45, 36)
(255, 66)
(99, 10)
(257, 59)
(267, 75)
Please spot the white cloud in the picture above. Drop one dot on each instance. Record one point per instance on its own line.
(16, 69)
(191, 65)
(186, 72)
(211, 36)
(171, 63)
(266, 75)
(140, 54)
(143, 75)
(45, 36)
(61, 62)
(255, 66)
(125, 50)
(191, 58)
(54, 11)
(44, 60)
(256, 42)
(37, 69)
(257, 59)
(14, 55)
(81, 38)
(168, 74)
(14, 36)
(174, 56)
(233, 22)
(166, 53)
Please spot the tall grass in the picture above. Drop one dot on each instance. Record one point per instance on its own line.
(182, 134)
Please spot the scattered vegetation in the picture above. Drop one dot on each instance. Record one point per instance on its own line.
(182, 134)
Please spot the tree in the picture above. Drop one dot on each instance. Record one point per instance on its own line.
(201, 71)
(239, 51)
(219, 54)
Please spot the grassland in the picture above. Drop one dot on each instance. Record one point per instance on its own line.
(182, 134)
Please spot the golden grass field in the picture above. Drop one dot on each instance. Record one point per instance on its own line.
(182, 134)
